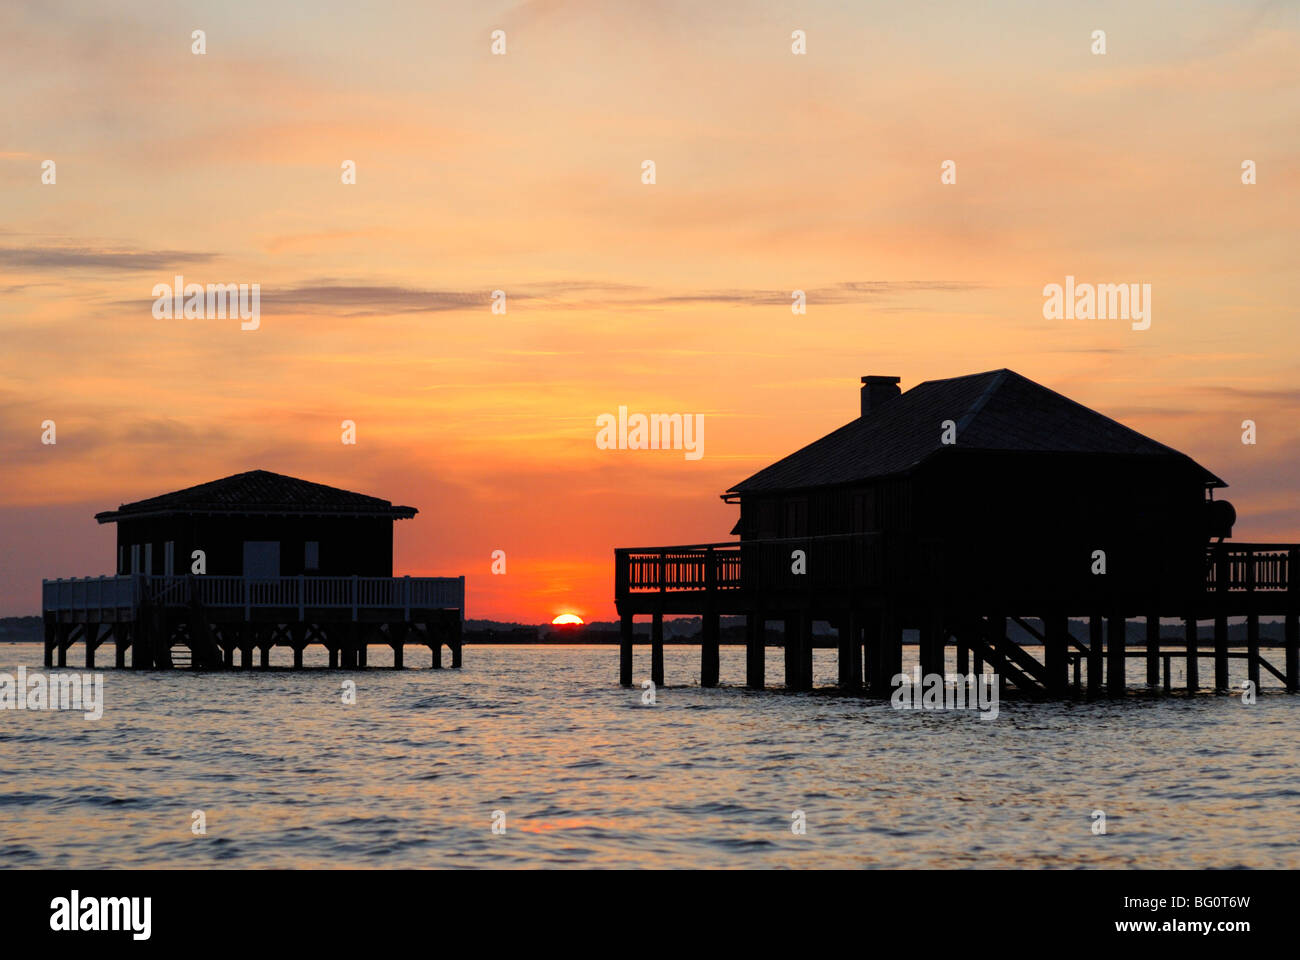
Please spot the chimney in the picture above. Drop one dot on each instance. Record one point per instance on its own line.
(878, 390)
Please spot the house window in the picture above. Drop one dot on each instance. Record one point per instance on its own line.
(135, 558)
(121, 558)
(311, 555)
(169, 558)
(148, 558)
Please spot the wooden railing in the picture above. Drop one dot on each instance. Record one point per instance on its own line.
(104, 593)
(843, 562)
(1250, 567)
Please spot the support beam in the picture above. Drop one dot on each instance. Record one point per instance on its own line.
(996, 631)
(434, 632)
(1193, 662)
(1153, 649)
(709, 639)
(657, 650)
(1096, 632)
(297, 656)
(1292, 653)
(872, 659)
(1292, 626)
(121, 640)
(891, 653)
(625, 637)
(850, 651)
(931, 644)
(456, 643)
(51, 640)
(755, 650)
(1116, 650)
(1252, 649)
(855, 649)
(91, 641)
(799, 662)
(266, 656)
(1056, 642)
(1221, 651)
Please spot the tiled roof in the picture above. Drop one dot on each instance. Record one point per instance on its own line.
(995, 411)
(260, 492)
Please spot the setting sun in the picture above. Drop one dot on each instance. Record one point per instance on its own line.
(566, 618)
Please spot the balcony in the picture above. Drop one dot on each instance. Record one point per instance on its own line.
(122, 598)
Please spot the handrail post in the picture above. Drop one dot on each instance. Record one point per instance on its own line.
(663, 571)
(355, 582)
(406, 597)
(302, 600)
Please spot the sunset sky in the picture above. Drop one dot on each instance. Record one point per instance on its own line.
(522, 172)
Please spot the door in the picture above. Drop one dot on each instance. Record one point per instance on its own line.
(261, 559)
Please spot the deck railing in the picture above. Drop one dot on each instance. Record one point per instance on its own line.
(1249, 567)
(847, 561)
(124, 592)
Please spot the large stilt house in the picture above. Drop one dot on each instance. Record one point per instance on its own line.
(951, 508)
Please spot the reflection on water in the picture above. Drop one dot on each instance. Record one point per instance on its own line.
(288, 776)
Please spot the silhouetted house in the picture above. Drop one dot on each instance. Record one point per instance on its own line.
(258, 524)
(950, 509)
(1010, 487)
(286, 563)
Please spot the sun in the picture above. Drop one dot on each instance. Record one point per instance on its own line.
(566, 618)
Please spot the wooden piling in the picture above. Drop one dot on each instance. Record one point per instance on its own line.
(91, 633)
(1116, 654)
(755, 650)
(709, 640)
(1153, 649)
(1292, 653)
(996, 631)
(844, 654)
(433, 632)
(872, 647)
(456, 643)
(891, 653)
(805, 651)
(854, 621)
(51, 640)
(657, 649)
(930, 646)
(1056, 633)
(1221, 651)
(1252, 649)
(625, 638)
(1096, 630)
(1293, 621)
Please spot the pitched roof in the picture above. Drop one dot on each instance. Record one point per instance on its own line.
(259, 492)
(994, 411)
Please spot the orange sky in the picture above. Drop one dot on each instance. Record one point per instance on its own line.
(522, 172)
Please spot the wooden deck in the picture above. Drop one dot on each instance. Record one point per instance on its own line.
(870, 594)
(201, 621)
